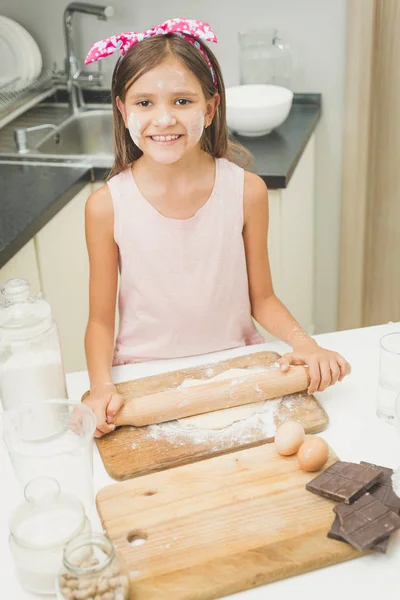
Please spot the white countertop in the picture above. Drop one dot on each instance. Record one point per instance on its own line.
(354, 432)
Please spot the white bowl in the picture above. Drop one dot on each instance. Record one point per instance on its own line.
(255, 110)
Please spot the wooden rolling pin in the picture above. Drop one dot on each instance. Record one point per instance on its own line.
(215, 395)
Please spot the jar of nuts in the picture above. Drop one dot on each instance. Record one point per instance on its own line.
(92, 571)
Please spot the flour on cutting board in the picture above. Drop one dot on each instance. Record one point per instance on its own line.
(258, 420)
(261, 425)
(177, 434)
(220, 419)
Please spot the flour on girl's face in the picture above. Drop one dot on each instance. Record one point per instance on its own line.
(173, 83)
(195, 127)
(165, 119)
(135, 126)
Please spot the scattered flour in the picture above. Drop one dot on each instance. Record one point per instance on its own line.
(260, 425)
(221, 419)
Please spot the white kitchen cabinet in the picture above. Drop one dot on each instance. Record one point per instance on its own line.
(64, 271)
(23, 265)
(97, 184)
(291, 241)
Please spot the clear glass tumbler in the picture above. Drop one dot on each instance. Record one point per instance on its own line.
(53, 439)
(396, 473)
(389, 376)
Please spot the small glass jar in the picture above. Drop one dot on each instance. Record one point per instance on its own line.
(40, 528)
(91, 569)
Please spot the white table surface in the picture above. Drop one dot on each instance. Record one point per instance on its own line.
(354, 432)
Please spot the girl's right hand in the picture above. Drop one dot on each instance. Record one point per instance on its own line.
(105, 402)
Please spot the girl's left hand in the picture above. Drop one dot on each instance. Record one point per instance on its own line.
(325, 367)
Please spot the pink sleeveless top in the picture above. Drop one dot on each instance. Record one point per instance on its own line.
(183, 283)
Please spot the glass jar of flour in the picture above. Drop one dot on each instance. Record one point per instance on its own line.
(31, 368)
(39, 529)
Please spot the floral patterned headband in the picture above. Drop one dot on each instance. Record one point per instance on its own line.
(189, 29)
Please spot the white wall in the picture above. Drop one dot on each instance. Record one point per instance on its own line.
(317, 31)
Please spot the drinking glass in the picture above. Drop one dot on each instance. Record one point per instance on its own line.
(54, 439)
(389, 376)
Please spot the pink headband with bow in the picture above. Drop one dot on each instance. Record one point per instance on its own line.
(186, 28)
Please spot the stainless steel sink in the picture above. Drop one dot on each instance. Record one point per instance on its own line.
(87, 135)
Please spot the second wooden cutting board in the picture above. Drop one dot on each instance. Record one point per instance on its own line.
(213, 528)
(134, 451)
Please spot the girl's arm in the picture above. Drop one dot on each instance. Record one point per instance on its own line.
(326, 367)
(99, 338)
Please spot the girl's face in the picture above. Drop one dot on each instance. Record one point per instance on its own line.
(166, 112)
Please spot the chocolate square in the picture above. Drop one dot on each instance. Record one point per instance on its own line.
(334, 534)
(344, 481)
(383, 490)
(366, 521)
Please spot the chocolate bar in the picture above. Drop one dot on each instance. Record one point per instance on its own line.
(334, 534)
(344, 481)
(383, 490)
(366, 521)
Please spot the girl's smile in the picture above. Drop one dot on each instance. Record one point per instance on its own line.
(169, 139)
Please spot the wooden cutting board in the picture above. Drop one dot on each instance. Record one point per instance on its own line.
(134, 451)
(213, 528)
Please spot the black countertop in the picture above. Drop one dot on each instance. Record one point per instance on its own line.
(32, 193)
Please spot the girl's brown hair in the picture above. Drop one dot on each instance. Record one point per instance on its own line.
(150, 53)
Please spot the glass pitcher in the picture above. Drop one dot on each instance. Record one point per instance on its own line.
(264, 58)
(31, 368)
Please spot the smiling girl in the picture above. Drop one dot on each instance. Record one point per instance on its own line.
(183, 225)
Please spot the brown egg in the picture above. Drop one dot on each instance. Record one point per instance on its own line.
(289, 437)
(313, 454)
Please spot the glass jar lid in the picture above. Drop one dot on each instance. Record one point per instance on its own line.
(48, 518)
(22, 316)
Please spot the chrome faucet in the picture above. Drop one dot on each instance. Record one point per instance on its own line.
(20, 136)
(72, 67)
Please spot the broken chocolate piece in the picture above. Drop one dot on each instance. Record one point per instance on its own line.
(366, 521)
(344, 481)
(383, 490)
(334, 534)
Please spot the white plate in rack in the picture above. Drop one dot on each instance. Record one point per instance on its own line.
(35, 56)
(11, 59)
(21, 59)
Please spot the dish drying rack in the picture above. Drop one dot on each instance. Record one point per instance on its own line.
(18, 96)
